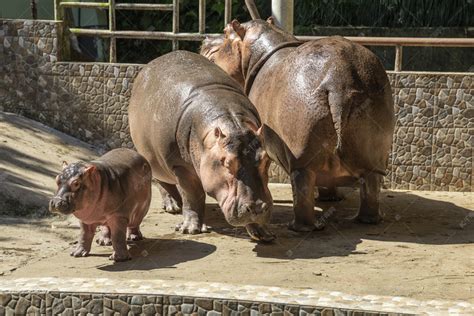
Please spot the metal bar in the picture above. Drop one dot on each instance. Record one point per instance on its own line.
(202, 16)
(282, 12)
(144, 6)
(58, 14)
(398, 58)
(227, 12)
(175, 23)
(93, 5)
(404, 41)
(34, 9)
(252, 9)
(143, 34)
(113, 41)
(418, 41)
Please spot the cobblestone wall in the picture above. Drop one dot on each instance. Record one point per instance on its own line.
(69, 304)
(433, 141)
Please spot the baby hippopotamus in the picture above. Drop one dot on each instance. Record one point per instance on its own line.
(113, 191)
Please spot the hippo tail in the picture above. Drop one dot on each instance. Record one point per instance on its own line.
(341, 104)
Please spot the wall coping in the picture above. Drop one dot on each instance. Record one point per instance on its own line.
(436, 73)
(249, 293)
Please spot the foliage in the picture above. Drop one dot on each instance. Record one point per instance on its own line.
(382, 13)
(308, 16)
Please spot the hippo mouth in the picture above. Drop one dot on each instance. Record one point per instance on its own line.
(62, 206)
(239, 214)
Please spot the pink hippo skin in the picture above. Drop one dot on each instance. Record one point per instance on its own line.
(113, 191)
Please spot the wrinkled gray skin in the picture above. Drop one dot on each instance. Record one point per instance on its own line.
(200, 134)
(113, 191)
(326, 106)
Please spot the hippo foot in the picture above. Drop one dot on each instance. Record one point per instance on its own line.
(104, 240)
(368, 219)
(171, 206)
(302, 227)
(120, 257)
(134, 235)
(79, 251)
(330, 194)
(260, 233)
(191, 228)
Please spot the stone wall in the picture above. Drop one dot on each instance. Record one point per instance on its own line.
(433, 141)
(69, 304)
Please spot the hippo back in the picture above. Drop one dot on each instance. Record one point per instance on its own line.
(172, 93)
(332, 94)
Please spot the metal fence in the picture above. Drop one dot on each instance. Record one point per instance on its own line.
(175, 35)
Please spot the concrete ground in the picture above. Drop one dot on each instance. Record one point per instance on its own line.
(424, 249)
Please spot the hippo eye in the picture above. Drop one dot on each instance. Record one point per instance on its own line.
(75, 185)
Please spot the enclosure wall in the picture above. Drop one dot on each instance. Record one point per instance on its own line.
(432, 148)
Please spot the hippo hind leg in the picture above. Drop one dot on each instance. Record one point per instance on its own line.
(194, 199)
(139, 212)
(302, 184)
(369, 211)
(104, 238)
(118, 230)
(134, 234)
(172, 201)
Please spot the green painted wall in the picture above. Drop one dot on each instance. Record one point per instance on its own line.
(21, 9)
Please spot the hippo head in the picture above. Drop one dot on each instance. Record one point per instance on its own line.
(242, 45)
(72, 184)
(234, 170)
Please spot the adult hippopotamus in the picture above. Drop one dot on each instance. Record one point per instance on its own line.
(113, 191)
(201, 135)
(326, 106)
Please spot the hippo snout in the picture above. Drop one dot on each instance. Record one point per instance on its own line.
(249, 212)
(60, 205)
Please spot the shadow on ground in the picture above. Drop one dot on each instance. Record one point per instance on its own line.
(160, 253)
(30, 157)
(409, 218)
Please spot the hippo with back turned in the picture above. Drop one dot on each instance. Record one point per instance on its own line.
(326, 106)
(113, 191)
(201, 135)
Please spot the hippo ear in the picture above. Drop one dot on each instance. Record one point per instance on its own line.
(271, 20)
(259, 134)
(89, 170)
(64, 164)
(234, 29)
(218, 133)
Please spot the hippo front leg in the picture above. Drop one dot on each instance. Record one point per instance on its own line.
(118, 230)
(302, 185)
(84, 243)
(194, 199)
(369, 211)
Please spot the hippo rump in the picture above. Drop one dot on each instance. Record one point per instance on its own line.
(326, 106)
(201, 135)
(113, 191)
